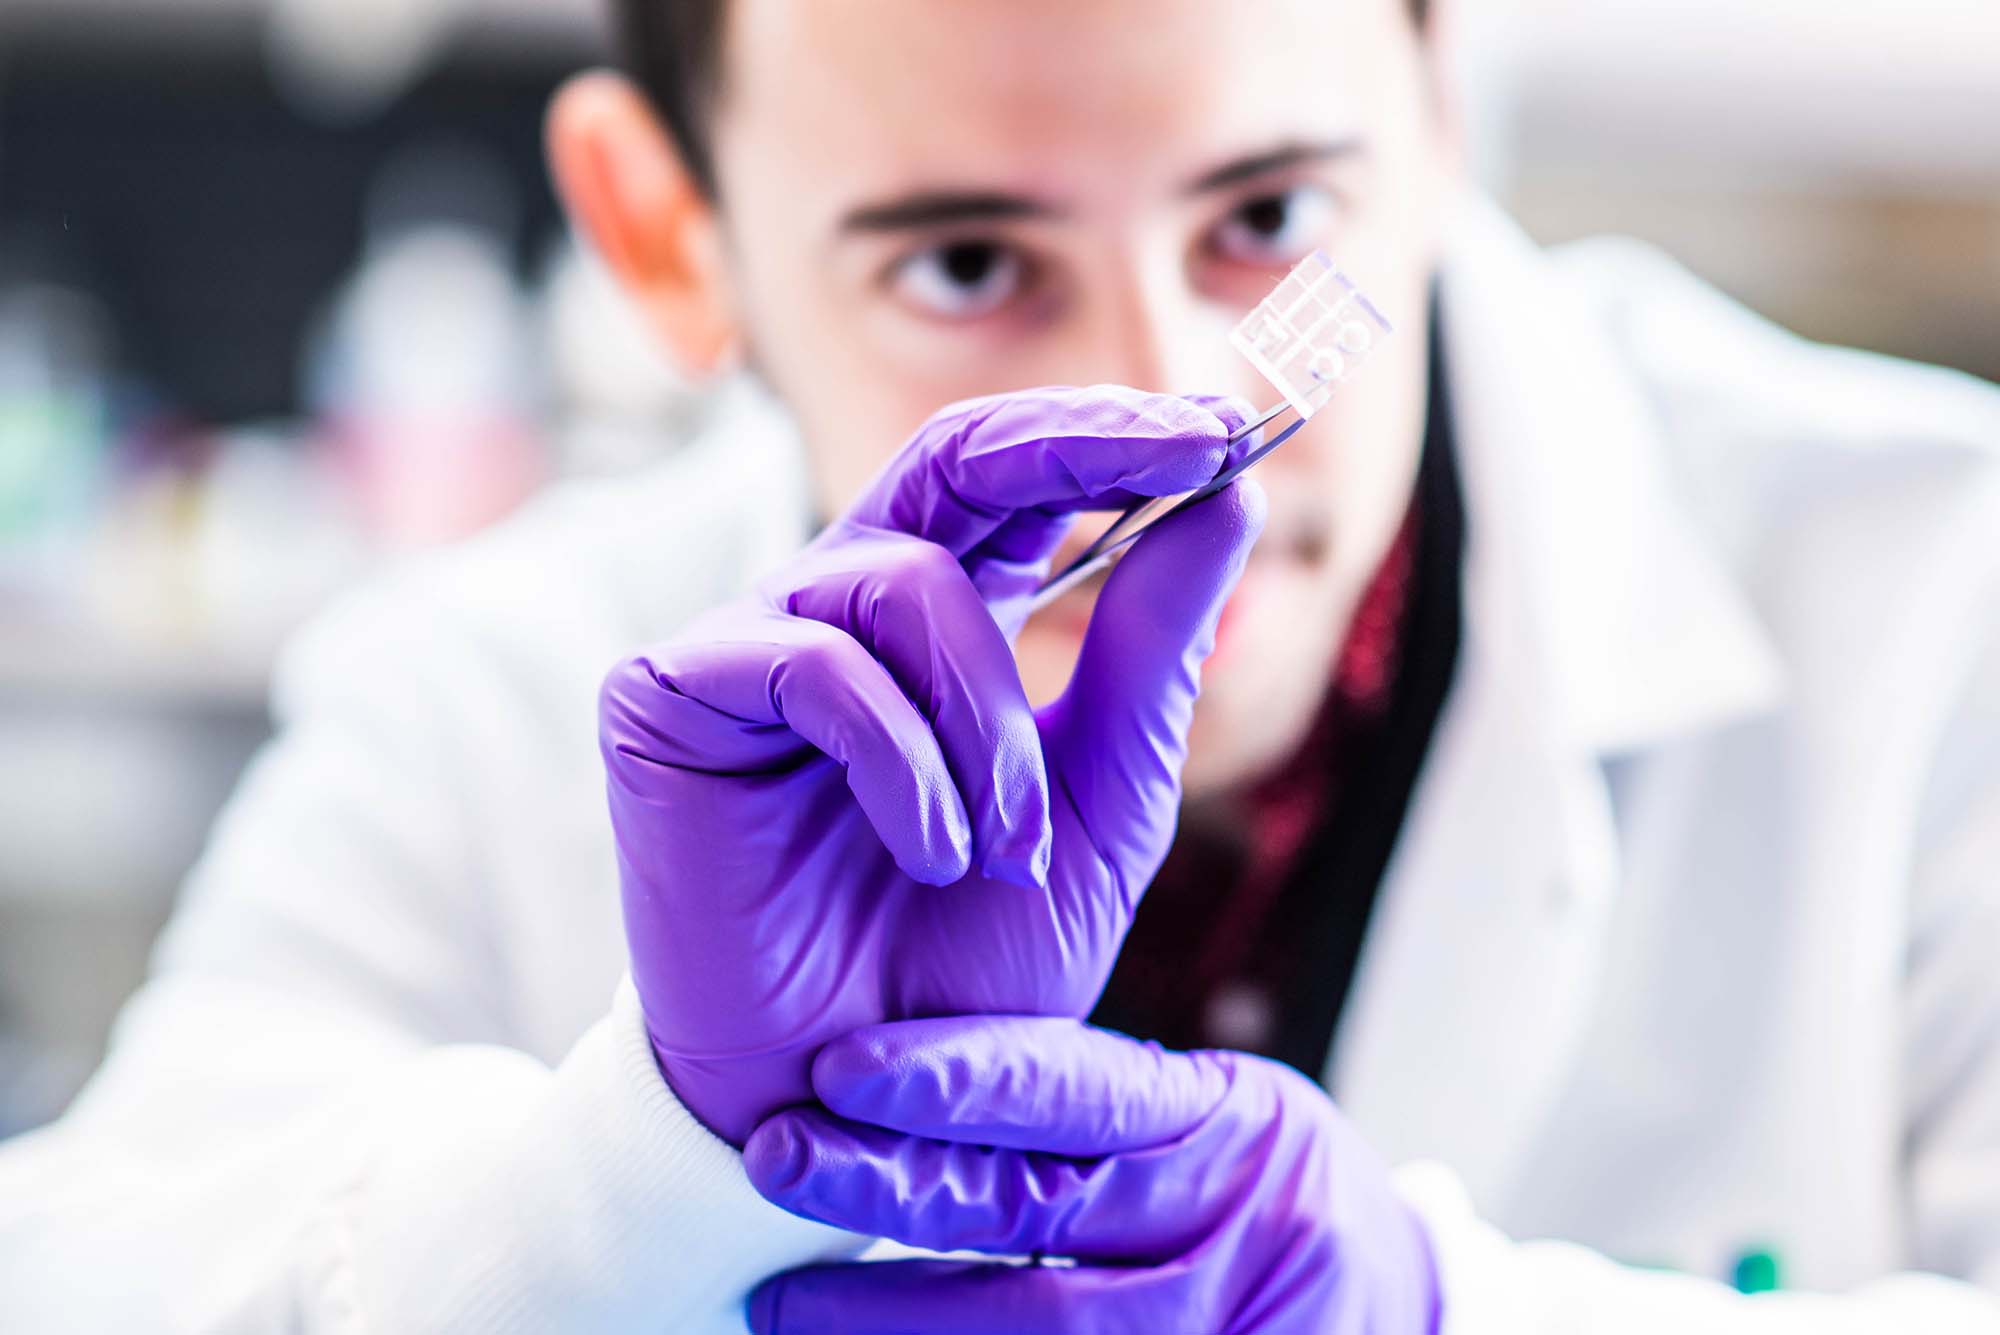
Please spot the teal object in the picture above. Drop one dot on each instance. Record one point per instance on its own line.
(1758, 1272)
(50, 454)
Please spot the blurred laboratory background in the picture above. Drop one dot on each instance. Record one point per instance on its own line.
(284, 295)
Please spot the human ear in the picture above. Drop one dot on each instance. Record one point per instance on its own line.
(629, 193)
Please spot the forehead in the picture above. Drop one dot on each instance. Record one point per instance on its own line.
(1053, 96)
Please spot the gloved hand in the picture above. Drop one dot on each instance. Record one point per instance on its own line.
(831, 801)
(1196, 1191)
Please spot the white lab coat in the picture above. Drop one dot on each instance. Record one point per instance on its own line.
(1690, 945)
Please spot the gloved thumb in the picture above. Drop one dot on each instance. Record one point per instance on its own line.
(1118, 734)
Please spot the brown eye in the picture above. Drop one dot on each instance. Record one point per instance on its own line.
(1275, 229)
(959, 280)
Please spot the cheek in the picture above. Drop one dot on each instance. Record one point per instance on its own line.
(843, 461)
(1046, 655)
(1377, 470)
(851, 427)
(1371, 442)
(798, 335)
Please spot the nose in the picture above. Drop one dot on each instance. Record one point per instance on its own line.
(1154, 330)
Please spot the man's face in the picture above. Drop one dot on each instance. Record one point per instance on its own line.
(928, 201)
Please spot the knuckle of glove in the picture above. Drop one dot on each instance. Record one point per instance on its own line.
(910, 569)
(822, 659)
(647, 725)
(637, 695)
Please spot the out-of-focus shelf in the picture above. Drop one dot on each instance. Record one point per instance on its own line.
(581, 17)
(554, 29)
(50, 659)
(114, 759)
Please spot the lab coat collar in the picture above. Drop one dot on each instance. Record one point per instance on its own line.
(1597, 620)
(1643, 633)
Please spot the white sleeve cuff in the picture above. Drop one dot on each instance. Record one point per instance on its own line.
(1496, 1286)
(497, 1195)
(1487, 1288)
(1462, 1253)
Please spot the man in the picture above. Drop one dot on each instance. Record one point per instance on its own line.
(1594, 779)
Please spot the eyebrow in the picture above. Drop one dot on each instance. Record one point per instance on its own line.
(936, 208)
(940, 208)
(1247, 168)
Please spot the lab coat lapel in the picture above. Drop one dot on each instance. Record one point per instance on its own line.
(1596, 621)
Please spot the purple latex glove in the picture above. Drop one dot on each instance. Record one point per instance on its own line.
(1196, 1191)
(832, 803)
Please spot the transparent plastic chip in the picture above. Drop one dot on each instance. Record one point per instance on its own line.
(1311, 332)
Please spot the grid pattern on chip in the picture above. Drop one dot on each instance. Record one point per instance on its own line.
(1311, 332)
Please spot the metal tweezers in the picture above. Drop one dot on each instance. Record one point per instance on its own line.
(1142, 516)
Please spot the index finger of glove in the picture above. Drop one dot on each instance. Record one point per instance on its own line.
(1023, 1082)
(979, 1298)
(976, 464)
(742, 703)
(943, 1197)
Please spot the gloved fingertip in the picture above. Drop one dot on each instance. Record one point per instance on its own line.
(941, 852)
(1232, 410)
(1248, 503)
(776, 1159)
(1016, 832)
(856, 1075)
(945, 866)
(1233, 519)
(763, 1306)
(1023, 869)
